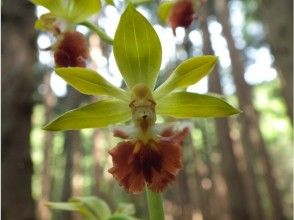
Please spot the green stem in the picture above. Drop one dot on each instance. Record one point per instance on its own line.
(154, 205)
(98, 31)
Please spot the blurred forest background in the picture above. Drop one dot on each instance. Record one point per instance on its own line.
(237, 168)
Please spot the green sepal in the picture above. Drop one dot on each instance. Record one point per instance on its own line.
(164, 10)
(99, 114)
(188, 105)
(187, 73)
(54, 6)
(74, 11)
(137, 49)
(90, 82)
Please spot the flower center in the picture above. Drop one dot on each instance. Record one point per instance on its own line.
(143, 111)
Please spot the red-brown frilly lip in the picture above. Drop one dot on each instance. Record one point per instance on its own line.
(155, 163)
(182, 14)
(71, 50)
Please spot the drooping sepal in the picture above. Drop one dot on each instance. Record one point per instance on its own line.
(188, 105)
(99, 114)
(90, 82)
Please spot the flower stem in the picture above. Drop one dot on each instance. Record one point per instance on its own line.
(98, 31)
(154, 205)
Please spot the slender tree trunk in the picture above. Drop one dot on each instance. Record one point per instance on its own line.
(280, 36)
(204, 185)
(78, 179)
(253, 200)
(49, 101)
(18, 57)
(184, 193)
(251, 134)
(238, 202)
(97, 153)
(71, 141)
(77, 173)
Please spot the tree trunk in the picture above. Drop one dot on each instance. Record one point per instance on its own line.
(251, 134)
(253, 200)
(280, 36)
(239, 205)
(18, 57)
(97, 152)
(204, 185)
(49, 101)
(71, 142)
(183, 197)
(77, 172)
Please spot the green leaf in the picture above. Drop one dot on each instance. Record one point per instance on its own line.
(120, 217)
(125, 208)
(99, 114)
(90, 82)
(91, 208)
(187, 73)
(187, 105)
(97, 207)
(164, 10)
(67, 206)
(137, 49)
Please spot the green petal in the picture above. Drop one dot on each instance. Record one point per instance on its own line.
(187, 73)
(164, 10)
(90, 82)
(80, 10)
(99, 114)
(187, 105)
(137, 49)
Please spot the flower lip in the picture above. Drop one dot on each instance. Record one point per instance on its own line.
(71, 50)
(155, 163)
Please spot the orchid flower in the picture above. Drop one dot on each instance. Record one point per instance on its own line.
(145, 156)
(65, 13)
(71, 47)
